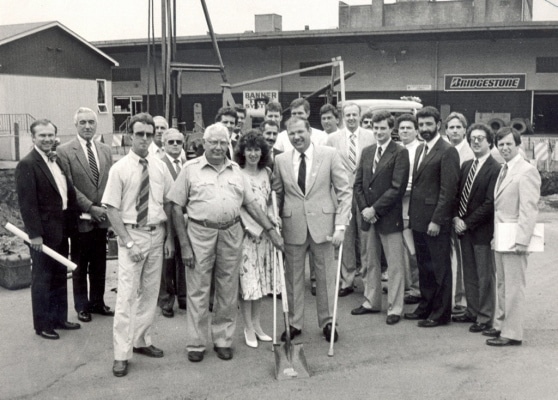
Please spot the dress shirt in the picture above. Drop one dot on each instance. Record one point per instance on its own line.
(59, 178)
(308, 157)
(155, 150)
(513, 162)
(481, 160)
(83, 144)
(172, 160)
(383, 146)
(318, 137)
(412, 149)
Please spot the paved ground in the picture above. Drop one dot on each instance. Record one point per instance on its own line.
(372, 360)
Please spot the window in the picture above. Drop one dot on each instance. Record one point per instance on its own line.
(126, 74)
(102, 96)
(547, 65)
(325, 71)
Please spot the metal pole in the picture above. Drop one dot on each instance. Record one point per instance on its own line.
(167, 63)
(164, 51)
(342, 77)
(149, 6)
(214, 41)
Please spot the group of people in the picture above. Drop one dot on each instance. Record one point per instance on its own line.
(202, 232)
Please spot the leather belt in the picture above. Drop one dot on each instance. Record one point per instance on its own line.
(147, 228)
(216, 225)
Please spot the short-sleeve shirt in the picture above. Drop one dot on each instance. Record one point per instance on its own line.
(123, 187)
(210, 194)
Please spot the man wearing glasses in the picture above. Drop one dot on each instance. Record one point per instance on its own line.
(138, 211)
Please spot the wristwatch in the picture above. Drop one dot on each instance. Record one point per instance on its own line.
(130, 244)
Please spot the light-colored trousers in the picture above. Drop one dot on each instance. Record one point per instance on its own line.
(458, 286)
(412, 285)
(138, 288)
(350, 254)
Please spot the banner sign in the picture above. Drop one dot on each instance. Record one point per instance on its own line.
(485, 82)
(256, 99)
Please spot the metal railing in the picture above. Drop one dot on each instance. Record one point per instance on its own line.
(7, 122)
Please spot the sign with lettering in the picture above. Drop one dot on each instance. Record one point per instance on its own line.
(484, 82)
(258, 98)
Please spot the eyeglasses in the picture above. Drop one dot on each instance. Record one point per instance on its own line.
(175, 142)
(478, 139)
(215, 143)
(144, 134)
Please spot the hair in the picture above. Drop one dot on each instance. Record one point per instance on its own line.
(252, 139)
(300, 102)
(293, 120)
(482, 127)
(83, 110)
(269, 122)
(329, 108)
(215, 128)
(367, 114)
(505, 131)
(406, 117)
(239, 108)
(161, 118)
(429, 111)
(457, 115)
(351, 104)
(229, 111)
(170, 131)
(144, 118)
(273, 106)
(382, 115)
(42, 122)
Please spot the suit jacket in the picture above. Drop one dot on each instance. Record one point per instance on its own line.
(340, 141)
(479, 215)
(40, 202)
(75, 164)
(385, 188)
(320, 209)
(515, 200)
(434, 187)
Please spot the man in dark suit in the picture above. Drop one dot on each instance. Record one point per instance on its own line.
(435, 180)
(474, 224)
(228, 117)
(380, 183)
(47, 203)
(86, 163)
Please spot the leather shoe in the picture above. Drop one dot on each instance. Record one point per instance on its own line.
(150, 351)
(410, 299)
(502, 341)
(477, 327)
(195, 356)
(250, 339)
(48, 334)
(346, 291)
(67, 325)
(293, 332)
(491, 333)
(120, 368)
(167, 312)
(458, 309)
(429, 323)
(313, 288)
(224, 353)
(392, 319)
(463, 318)
(414, 316)
(102, 310)
(361, 310)
(84, 316)
(327, 333)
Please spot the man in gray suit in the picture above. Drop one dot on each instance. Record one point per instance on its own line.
(87, 162)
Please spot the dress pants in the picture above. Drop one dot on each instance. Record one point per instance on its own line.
(434, 262)
(392, 245)
(412, 286)
(173, 279)
(459, 295)
(138, 287)
(326, 270)
(351, 255)
(217, 252)
(510, 277)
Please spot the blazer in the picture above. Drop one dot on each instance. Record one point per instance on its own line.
(479, 215)
(434, 187)
(40, 202)
(385, 188)
(321, 208)
(515, 200)
(75, 164)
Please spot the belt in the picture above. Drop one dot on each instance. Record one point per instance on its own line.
(147, 228)
(216, 225)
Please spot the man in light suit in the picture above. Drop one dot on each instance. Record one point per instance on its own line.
(435, 180)
(473, 222)
(87, 162)
(515, 200)
(311, 213)
(380, 184)
(349, 142)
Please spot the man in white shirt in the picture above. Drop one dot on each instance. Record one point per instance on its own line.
(329, 118)
(156, 146)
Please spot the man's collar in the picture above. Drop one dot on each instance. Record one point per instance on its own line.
(459, 146)
(514, 161)
(433, 142)
(309, 152)
(204, 162)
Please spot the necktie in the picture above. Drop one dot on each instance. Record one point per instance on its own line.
(502, 176)
(423, 155)
(177, 165)
(51, 156)
(92, 162)
(302, 173)
(467, 189)
(377, 158)
(143, 195)
(352, 151)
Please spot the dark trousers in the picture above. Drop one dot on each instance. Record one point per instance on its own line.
(434, 264)
(89, 252)
(173, 279)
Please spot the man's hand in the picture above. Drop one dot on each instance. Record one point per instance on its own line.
(338, 237)
(36, 243)
(135, 253)
(459, 226)
(369, 215)
(99, 214)
(169, 247)
(276, 240)
(433, 229)
(187, 256)
(520, 249)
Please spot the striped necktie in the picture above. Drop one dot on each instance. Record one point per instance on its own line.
(177, 165)
(92, 162)
(467, 190)
(143, 195)
(502, 176)
(377, 158)
(352, 151)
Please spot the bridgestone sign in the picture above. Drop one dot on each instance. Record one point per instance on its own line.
(499, 82)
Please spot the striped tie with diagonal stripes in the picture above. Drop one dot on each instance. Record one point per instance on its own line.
(352, 151)
(143, 195)
(92, 162)
(377, 158)
(467, 190)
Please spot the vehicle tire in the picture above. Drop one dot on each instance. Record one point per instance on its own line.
(519, 125)
(496, 124)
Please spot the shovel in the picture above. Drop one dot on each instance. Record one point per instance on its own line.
(290, 361)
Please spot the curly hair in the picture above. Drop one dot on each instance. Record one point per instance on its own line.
(252, 139)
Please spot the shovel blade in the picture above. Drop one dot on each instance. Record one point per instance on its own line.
(290, 362)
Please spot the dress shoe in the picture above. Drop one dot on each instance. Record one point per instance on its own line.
(458, 310)
(102, 310)
(392, 319)
(478, 327)
(361, 310)
(48, 334)
(224, 353)
(491, 333)
(262, 337)
(346, 291)
(327, 333)
(463, 318)
(385, 276)
(293, 331)
(384, 290)
(150, 351)
(250, 338)
(414, 316)
(84, 316)
(429, 323)
(167, 312)
(313, 288)
(120, 368)
(502, 341)
(195, 356)
(410, 299)
(67, 325)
